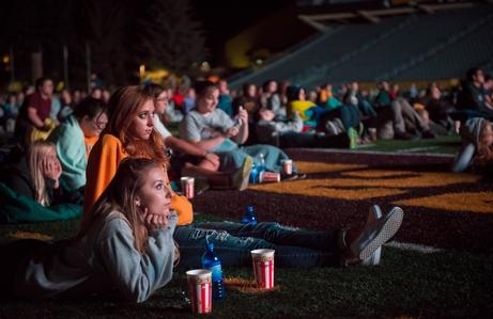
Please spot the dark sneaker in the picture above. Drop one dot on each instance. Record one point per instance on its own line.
(404, 136)
(428, 134)
(291, 177)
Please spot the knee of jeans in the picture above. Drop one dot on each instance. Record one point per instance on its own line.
(200, 233)
(274, 226)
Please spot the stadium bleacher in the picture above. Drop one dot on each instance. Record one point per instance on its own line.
(412, 47)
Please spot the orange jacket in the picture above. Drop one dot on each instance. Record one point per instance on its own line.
(103, 162)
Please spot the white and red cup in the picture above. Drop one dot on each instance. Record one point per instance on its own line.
(287, 166)
(269, 177)
(187, 186)
(263, 267)
(200, 289)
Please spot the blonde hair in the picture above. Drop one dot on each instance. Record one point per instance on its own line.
(36, 154)
(484, 151)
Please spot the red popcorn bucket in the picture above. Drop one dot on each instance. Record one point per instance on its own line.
(187, 186)
(269, 177)
(287, 166)
(263, 267)
(200, 289)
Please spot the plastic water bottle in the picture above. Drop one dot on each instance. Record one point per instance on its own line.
(261, 165)
(254, 174)
(212, 262)
(257, 168)
(249, 217)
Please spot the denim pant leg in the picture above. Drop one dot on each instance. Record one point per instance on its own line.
(233, 242)
(367, 109)
(349, 116)
(304, 139)
(272, 156)
(231, 160)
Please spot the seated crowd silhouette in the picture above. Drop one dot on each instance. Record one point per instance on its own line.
(221, 133)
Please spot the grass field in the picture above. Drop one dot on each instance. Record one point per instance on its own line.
(413, 280)
(407, 284)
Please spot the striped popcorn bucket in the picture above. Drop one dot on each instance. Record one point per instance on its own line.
(200, 288)
(263, 267)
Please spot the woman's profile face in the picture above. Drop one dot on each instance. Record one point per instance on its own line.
(143, 123)
(51, 155)
(207, 102)
(154, 196)
(94, 127)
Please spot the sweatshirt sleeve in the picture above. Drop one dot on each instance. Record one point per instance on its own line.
(103, 163)
(137, 276)
(69, 142)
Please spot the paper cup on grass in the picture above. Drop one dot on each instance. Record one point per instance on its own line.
(200, 289)
(263, 267)
(187, 186)
(287, 166)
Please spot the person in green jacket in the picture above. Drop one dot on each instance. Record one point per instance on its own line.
(74, 138)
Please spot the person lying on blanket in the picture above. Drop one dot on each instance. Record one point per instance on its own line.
(33, 183)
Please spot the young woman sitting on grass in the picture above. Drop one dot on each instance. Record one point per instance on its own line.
(125, 246)
(214, 131)
(189, 159)
(130, 133)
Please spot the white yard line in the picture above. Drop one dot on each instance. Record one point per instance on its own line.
(413, 247)
(362, 151)
(416, 149)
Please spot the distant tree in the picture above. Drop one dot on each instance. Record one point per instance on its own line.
(170, 36)
(120, 35)
(105, 22)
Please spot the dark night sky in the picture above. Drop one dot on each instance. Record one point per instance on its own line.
(222, 19)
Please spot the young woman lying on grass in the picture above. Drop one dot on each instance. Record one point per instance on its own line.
(125, 246)
(31, 189)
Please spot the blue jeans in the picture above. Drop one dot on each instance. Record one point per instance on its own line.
(233, 159)
(295, 248)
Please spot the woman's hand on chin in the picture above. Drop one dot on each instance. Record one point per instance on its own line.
(156, 221)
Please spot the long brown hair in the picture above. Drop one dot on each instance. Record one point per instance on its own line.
(484, 151)
(119, 196)
(123, 106)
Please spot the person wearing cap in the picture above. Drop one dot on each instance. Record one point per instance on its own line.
(477, 146)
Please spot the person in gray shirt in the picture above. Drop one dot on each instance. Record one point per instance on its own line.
(125, 246)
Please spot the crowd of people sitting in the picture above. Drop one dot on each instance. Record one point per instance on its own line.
(108, 160)
(135, 228)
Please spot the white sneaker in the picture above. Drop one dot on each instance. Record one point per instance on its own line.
(375, 234)
(374, 214)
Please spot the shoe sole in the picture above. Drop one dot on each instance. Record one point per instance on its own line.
(245, 173)
(374, 259)
(391, 224)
